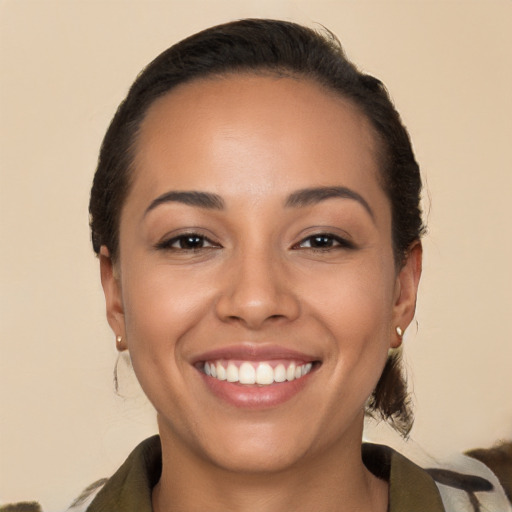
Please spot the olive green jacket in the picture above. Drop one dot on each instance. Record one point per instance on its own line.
(411, 488)
(129, 490)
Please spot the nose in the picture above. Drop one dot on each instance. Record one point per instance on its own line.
(257, 291)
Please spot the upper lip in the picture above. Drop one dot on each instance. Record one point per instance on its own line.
(253, 352)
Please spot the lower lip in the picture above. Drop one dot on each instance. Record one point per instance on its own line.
(254, 396)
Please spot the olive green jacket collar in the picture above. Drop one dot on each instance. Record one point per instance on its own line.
(411, 489)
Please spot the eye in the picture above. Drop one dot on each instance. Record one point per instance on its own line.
(187, 242)
(324, 242)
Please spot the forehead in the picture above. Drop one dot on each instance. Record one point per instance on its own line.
(263, 133)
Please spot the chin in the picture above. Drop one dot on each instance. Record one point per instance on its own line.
(254, 448)
(254, 458)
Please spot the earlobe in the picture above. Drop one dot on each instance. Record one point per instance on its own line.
(113, 297)
(407, 282)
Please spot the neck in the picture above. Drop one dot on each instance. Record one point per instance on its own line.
(334, 481)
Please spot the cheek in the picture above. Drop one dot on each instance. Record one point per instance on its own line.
(357, 309)
(160, 307)
(357, 300)
(162, 310)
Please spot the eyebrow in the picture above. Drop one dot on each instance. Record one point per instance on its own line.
(298, 199)
(310, 196)
(192, 198)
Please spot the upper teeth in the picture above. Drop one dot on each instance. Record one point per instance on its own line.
(256, 373)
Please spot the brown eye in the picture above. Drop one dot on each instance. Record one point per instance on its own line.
(321, 241)
(324, 241)
(190, 242)
(187, 242)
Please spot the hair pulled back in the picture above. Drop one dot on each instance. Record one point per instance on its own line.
(284, 49)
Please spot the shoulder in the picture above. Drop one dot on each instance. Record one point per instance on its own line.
(478, 480)
(129, 489)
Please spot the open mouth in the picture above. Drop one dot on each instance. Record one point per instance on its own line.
(261, 373)
(256, 377)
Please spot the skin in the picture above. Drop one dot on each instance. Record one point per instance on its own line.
(253, 141)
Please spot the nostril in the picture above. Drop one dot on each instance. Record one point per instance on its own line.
(276, 317)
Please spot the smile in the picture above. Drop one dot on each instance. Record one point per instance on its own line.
(253, 372)
(256, 376)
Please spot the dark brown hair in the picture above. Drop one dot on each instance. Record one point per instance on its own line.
(282, 48)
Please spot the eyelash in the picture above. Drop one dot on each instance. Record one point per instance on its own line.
(332, 242)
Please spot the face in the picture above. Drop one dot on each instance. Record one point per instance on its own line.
(255, 288)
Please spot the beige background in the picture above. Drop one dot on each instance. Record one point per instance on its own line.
(65, 66)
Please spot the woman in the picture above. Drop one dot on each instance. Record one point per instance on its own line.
(256, 215)
(252, 268)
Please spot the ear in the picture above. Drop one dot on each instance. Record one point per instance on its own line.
(113, 297)
(406, 289)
